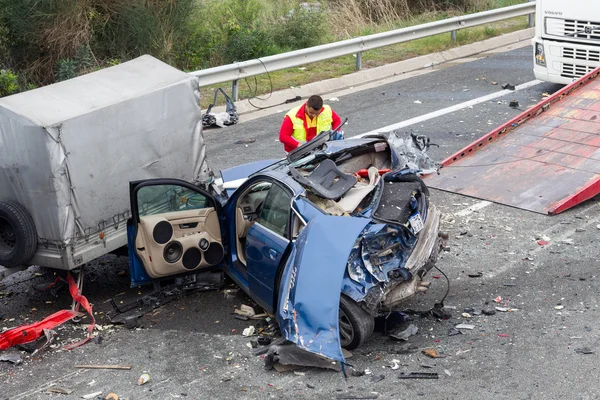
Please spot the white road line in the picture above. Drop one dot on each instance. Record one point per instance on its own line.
(473, 208)
(46, 385)
(451, 109)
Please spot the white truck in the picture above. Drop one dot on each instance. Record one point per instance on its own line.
(566, 45)
(69, 150)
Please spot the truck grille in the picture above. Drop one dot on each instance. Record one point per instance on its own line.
(581, 54)
(575, 71)
(576, 29)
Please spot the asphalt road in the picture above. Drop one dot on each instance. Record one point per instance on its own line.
(192, 347)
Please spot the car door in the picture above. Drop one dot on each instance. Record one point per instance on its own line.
(175, 229)
(267, 245)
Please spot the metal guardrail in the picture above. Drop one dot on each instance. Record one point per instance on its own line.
(240, 70)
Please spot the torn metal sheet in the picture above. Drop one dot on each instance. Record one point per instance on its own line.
(290, 354)
(308, 298)
(545, 160)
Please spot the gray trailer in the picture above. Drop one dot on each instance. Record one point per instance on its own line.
(69, 150)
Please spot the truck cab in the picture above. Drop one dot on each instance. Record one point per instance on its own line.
(566, 45)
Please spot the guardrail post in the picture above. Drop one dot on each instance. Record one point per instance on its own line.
(234, 90)
(359, 61)
(531, 17)
(453, 33)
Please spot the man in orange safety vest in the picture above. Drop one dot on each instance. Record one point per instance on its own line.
(301, 124)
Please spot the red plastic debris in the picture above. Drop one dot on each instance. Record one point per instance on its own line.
(542, 242)
(29, 333)
(436, 277)
(498, 299)
(503, 335)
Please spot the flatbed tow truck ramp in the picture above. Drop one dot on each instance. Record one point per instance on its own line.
(545, 160)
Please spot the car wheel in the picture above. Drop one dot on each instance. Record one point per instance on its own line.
(356, 325)
(18, 237)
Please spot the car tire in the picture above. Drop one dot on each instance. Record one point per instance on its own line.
(18, 236)
(355, 324)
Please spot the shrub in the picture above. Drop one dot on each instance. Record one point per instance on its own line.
(303, 26)
(9, 83)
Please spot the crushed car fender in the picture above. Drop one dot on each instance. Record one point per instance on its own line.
(311, 284)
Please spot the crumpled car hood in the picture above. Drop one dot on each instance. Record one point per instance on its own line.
(311, 283)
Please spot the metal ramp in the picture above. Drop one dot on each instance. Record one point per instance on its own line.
(546, 160)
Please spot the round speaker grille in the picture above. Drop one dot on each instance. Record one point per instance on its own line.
(191, 258)
(203, 244)
(162, 233)
(214, 253)
(172, 252)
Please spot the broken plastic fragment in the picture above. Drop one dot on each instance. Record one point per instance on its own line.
(142, 379)
(465, 326)
(249, 331)
(245, 310)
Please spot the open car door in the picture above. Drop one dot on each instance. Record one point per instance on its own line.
(174, 229)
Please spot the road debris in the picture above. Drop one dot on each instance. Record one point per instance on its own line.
(465, 326)
(405, 334)
(244, 141)
(559, 307)
(418, 375)
(249, 331)
(395, 364)
(245, 310)
(144, 378)
(432, 353)
(377, 378)
(508, 86)
(13, 358)
(475, 275)
(58, 390)
(292, 355)
(100, 366)
(454, 332)
(91, 395)
(584, 350)
(111, 396)
(488, 311)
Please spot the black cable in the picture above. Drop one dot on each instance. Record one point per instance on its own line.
(447, 288)
(254, 96)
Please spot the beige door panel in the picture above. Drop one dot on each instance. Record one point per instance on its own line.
(167, 247)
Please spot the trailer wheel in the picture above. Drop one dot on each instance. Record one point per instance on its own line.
(18, 236)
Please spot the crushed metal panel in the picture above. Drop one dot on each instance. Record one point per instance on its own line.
(545, 160)
(311, 284)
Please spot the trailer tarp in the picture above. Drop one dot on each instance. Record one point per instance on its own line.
(69, 150)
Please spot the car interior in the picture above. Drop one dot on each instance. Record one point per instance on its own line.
(178, 231)
(247, 212)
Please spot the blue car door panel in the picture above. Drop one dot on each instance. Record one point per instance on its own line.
(311, 283)
(266, 246)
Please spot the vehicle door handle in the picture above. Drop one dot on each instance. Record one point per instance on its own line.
(272, 254)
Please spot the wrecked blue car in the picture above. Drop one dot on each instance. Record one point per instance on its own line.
(326, 239)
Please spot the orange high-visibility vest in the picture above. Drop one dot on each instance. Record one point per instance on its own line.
(324, 121)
